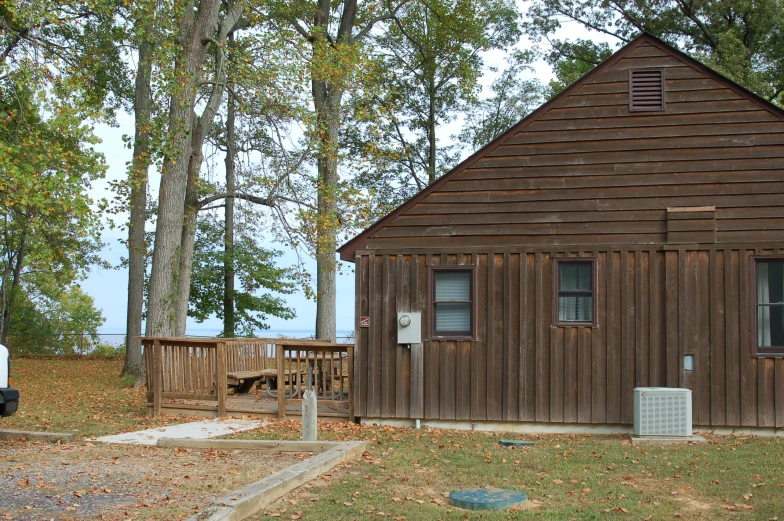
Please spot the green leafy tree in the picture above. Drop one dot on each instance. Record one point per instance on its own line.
(429, 61)
(244, 87)
(331, 36)
(62, 68)
(65, 49)
(264, 101)
(54, 320)
(146, 16)
(201, 29)
(257, 276)
(514, 94)
(742, 39)
(47, 224)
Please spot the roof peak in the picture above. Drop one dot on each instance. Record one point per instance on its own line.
(347, 250)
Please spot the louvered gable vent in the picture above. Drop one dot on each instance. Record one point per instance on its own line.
(646, 89)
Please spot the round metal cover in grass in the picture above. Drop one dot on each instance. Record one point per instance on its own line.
(487, 499)
(515, 443)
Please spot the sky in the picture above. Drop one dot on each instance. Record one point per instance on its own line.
(109, 287)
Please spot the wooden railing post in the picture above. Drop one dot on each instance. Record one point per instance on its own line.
(350, 360)
(279, 361)
(157, 384)
(220, 377)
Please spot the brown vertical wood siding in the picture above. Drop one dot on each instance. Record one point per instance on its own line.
(654, 306)
(585, 177)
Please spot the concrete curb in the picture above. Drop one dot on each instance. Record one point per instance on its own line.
(252, 498)
(665, 440)
(259, 445)
(52, 437)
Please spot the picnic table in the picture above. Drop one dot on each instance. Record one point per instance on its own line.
(243, 381)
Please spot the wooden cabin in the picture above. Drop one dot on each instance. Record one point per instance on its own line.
(628, 233)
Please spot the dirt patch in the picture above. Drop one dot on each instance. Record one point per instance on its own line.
(695, 504)
(686, 496)
(112, 483)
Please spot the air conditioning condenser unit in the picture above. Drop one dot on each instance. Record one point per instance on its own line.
(662, 411)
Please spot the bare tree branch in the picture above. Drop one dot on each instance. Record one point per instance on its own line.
(688, 12)
(373, 21)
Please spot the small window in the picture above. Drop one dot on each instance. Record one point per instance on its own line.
(769, 304)
(574, 282)
(452, 301)
(646, 89)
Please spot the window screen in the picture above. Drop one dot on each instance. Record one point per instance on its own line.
(452, 302)
(770, 305)
(575, 292)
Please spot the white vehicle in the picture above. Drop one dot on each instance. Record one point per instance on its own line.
(9, 397)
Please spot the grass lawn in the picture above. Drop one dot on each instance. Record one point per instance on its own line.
(84, 397)
(408, 474)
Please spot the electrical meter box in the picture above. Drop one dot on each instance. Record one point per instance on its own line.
(409, 328)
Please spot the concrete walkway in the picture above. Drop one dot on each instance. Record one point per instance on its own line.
(200, 430)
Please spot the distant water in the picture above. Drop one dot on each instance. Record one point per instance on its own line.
(116, 339)
(269, 333)
(111, 339)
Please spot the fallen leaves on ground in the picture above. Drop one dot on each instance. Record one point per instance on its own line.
(84, 397)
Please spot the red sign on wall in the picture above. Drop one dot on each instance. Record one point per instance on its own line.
(364, 321)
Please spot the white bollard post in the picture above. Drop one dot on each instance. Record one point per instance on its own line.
(309, 416)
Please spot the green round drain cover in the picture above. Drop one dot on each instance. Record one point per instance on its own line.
(487, 499)
(515, 443)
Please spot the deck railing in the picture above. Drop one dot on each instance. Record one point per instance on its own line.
(197, 369)
(325, 368)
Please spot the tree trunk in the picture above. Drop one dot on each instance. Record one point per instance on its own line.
(16, 280)
(197, 29)
(326, 284)
(3, 305)
(200, 128)
(134, 363)
(327, 101)
(328, 120)
(431, 138)
(228, 237)
(188, 236)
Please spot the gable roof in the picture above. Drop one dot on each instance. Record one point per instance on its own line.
(347, 251)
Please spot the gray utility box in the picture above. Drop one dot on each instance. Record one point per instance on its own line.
(662, 411)
(409, 328)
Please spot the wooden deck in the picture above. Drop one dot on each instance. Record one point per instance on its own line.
(257, 377)
(256, 404)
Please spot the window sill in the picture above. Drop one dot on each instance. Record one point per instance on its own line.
(767, 355)
(452, 339)
(574, 324)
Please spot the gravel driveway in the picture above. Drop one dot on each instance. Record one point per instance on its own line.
(87, 481)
